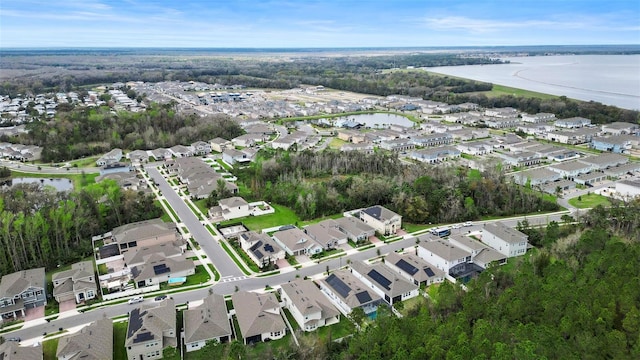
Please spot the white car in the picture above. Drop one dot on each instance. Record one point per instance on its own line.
(135, 300)
(456, 226)
(468, 223)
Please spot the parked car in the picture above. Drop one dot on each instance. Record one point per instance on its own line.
(468, 223)
(16, 339)
(456, 226)
(136, 299)
(160, 297)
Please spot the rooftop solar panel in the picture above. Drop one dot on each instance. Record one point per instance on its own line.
(258, 254)
(256, 245)
(160, 269)
(406, 267)
(269, 248)
(380, 279)
(363, 297)
(429, 271)
(338, 285)
(145, 336)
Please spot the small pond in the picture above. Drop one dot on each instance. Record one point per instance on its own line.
(58, 184)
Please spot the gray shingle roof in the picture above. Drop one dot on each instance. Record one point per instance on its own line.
(92, 342)
(207, 321)
(257, 313)
(17, 282)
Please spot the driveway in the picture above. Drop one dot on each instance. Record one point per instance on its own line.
(34, 313)
(67, 305)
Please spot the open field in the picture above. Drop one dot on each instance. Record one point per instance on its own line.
(589, 201)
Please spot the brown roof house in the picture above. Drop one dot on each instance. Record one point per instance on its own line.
(206, 322)
(150, 330)
(258, 316)
(308, 305)
(92, 342)
(10, 350)
(78, 283)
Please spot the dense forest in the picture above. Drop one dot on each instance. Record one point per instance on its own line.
(89, 131)
(577, 297)
(326, 183)
(47, 228)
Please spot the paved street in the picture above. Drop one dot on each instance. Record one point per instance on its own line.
(45, 169)
(225, 266)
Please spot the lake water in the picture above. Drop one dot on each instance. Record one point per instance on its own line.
(58, 184)
(609, 79)
(376, 120)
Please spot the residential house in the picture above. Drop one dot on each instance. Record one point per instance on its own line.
(144, 233)
(11, 350)
(620, 128)
(573, 136)
(232, 156)
(572, 123)
(385, 221)
(326, 233)
(21, 290)
(502, 123)
(138, 157)
(201, 148)
(476, 148)
(506, 112)
(308, 306)
(538, 118)
(365, 148)
(150, 330)
(398, 145)
(436, 139)
(259, 317)
(506, 240)
(157, 269)
(355, 229)
(219, 144)
(435, 155)
(570, 169)
(78, 283)
(620, 170)
(295, 242)
(126, 181)
(181, 151)
(521, 158)
(441, 253)
(557, 187)
(261, 248)
(161, 154)
(234, 207)
(247, 140)
(111, 157)
(346, 292)
(209, 321)
(384, 282)
(92, 342)
(536, 177)
(605, 161)
(620, 144)
(414, 269)
(590, 179)
(481, 254)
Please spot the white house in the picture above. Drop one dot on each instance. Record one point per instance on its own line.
(441, 253)
(296, 242)
(506, 240)
(414, 269)
(385, 221)
(346, 292)
(258, 316)
(308, 305)
(384, 282)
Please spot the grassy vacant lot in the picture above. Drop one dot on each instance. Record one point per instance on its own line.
(282, 216)
(589, 201)
(119, 336)
(499, 90)
(336, 143)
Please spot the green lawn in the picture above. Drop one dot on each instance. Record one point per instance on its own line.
(415, 227)
(224, 165)
(200, 277)
(282, 216)
(233, 257)
(202, 206)
(589, 201)
(315, 221)
(49, 349)
(213, 269)
(418, 301)
(119, 336)
(499, 90)
(343, 328)
(336, 143)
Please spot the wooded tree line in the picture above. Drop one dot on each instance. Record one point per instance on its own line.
(46, 228)
(326, 183)
(89, 131)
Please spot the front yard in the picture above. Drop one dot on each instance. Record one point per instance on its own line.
(282, 216)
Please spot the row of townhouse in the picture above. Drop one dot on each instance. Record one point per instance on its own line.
(20, 152)
(199, 177)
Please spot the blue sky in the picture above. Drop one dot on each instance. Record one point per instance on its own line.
(302, 23)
